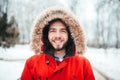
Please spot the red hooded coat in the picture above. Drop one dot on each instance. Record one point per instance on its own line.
(45, 67)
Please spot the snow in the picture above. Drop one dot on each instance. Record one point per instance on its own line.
(12, 61)
(16, 52)
(106, 61)
(10, 70)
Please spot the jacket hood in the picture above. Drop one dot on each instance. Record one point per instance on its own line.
(50, 14)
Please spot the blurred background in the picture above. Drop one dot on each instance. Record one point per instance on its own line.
(99, 18)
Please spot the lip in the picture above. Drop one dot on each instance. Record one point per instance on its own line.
(57, 41)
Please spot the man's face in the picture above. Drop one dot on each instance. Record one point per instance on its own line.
(58, 35)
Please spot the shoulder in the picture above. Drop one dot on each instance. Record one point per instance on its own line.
(33, 59)
(81, 59)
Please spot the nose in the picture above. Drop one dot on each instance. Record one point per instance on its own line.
(58, 35)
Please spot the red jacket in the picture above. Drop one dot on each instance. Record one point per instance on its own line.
(44, 67)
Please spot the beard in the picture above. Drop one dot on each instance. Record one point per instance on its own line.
(59, 47)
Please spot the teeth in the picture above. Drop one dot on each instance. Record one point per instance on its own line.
(57, 41)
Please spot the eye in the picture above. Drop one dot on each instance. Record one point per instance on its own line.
(64, 30)
(51, 30)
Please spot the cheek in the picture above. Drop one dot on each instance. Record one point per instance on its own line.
(65, 37)
(50, 36)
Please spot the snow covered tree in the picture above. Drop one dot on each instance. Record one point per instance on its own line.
(8, 31)
(107, 23)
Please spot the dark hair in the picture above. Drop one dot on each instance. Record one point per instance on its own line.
(48, 48)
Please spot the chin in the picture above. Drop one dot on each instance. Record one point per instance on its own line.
(58, 48)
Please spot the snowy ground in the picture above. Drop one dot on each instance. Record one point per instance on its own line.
(107, 61)
(12, 61)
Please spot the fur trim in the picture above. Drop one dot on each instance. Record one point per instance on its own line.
(67, 17)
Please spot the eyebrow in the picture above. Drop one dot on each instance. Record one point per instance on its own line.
(54, 29)
(51, 28)
(64, 29)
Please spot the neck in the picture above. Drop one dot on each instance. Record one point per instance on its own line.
(60, 53)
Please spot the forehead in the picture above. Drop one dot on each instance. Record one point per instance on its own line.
(57, 25)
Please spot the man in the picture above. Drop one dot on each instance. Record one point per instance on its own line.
(57, 38)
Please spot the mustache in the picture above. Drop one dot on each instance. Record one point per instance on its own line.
(57, 40)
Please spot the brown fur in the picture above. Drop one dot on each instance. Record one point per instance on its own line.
(68, 18)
